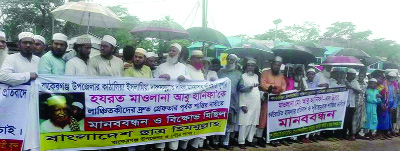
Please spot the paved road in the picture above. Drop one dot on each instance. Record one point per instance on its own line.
(358, 145)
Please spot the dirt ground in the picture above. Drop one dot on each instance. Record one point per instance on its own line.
(358, 145)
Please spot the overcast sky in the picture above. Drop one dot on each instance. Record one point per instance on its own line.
(251, 17)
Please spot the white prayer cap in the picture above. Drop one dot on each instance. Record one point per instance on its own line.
(251, 61)
(38, 37)
(278, 58)
(373, 80)
(25, 35)
(111, 40)
(311, 70)
(56, 100)
(60, 36)
(234, 56)
(150, 54)
(141, 50)
(392, 74)
(78, 104)
(176, 45)
(83, 40)
(197, 53)
(2, 34)
(352, 71)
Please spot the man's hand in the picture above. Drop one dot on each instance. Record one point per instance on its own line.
(275, 91)
(33, 76)
(181, 78)
(213, 79)
(244, 109)
(165, 76)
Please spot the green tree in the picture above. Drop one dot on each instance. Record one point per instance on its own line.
(307, 32)
(340, 31)
(270, 35)
(33, 16)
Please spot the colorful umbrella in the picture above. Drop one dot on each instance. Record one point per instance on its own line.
(161, 29)
(294, 54)
(87, 14)
(351, 52)
(342, 61)
(204, 34)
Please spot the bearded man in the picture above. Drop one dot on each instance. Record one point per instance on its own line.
(3, 47)
(139, 69)
(78, 64)
(231, 72)
(59, 120)
(52, 62)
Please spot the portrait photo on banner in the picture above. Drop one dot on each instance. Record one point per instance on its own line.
(61, 112)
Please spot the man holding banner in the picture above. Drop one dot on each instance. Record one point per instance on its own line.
(20, 68)
(172, 70)
(272, 81)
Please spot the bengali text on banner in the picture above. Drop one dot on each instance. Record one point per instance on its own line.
(298, 113)
(14, 105)
(104, 113)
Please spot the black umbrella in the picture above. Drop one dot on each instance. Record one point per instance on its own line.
(388, 65)
(260, 55)
(371, 61)
(204, 34)
(316, 49)
(294, 54)
(351, 52)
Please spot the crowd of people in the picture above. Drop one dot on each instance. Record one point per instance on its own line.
(371, 111)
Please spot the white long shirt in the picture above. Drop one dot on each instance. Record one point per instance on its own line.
(16, 69)
(76, 66)
(173, 70)
(103, 67)
(194, 73)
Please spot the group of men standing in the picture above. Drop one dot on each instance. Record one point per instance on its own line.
(247, 117)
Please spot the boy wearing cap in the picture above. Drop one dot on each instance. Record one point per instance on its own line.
(139, 69)
(40, 45)
(78, 64)
(3, 47)
(106, 64)
(52, 62)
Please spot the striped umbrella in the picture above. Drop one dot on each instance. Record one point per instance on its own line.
(160, 29)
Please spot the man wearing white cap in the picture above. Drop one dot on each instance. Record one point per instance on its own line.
(78, 64)
(230, 71)
(106, 64)
(139, 69)
(52, 62)
(322, 78)
(310, 79)
(392, 89)
(3, 47)
(151, 58)
(40, 45)
(172, 70)
(354, 89)
(271, 81)
(78, 113)
(18, 69)
(196, 65)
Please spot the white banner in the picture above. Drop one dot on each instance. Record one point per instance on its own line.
(121, 112)
(299, 113)
(14, 106)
